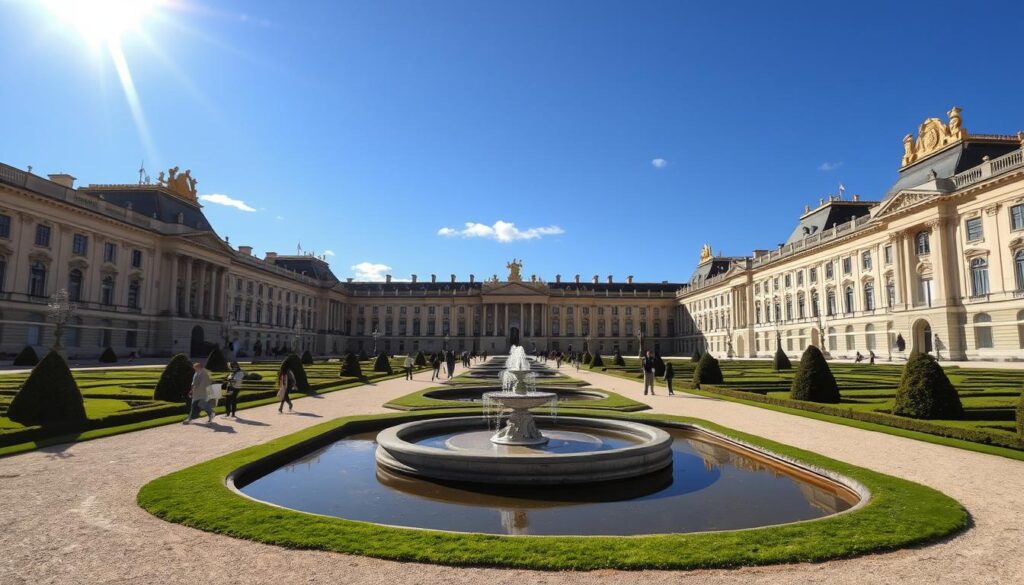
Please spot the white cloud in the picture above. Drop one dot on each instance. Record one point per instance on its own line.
(501, 231)
(279, 217)
(829, 166)
(329, 253)
(659, 163)
(221, 199)
(370, 271)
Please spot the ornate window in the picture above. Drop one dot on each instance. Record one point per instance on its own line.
(133, 293)
(982, 331)
(848, 300)
(922, 242)
(1017, 217)
(829, 270)
(974, 229)
(79, 244)
(37, 280)
(815, 303)
(869, 296)
(865, 260)
(830, 303)
(890, 292)
(800, 308)
(1018, 269)
(43, 235)
(75, 285)
(979, 277)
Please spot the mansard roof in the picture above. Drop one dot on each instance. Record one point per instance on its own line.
(152, 201)
(310, 266)
(958, 158)
(827, 216)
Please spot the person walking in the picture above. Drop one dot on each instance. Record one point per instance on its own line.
(648, 365)
(669, 374)
(234, 384)
(408, 364)
(285, 384)
(450, 362)
(871, 356)
(435, 362)
(200, 394)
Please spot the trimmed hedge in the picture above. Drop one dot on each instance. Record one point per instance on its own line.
(49, 396)
(707, 371)
(596, 361)
(307, 358)
(176, 380)
(351, 366)
(421, 360)
(216, 362)
(108, 356)
(382, 364)
(294, 363)
(26, 357)
(781, 360)
(925, 391)
(814, 381)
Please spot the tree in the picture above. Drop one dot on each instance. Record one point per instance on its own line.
(421, 360)
(216, 362)
(176, 380)
(108, 356)
(294, 363)
(382, 364)
(350, 367)
(307, 358)
(925, 391)
(596, 361)
(49, 396)
(813, 380)
(696, 356)
(619, 361)
(781, 361)
(27, 357)
(707, 371)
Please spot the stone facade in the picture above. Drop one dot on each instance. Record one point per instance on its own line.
(938, 260)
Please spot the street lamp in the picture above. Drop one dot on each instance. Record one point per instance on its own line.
(640, 336)
(60, 311)
(587, 341)
(447, 338)
(376, 335)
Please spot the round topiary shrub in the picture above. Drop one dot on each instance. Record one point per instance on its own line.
(696, 356)
(215, 362)
(781, 361)
(294, 363)
(382, 364)
(596, 361)
(26, 357)
(421, 360)
(925, 391)
(108, 356)
(618, 359)
(707, 371)
(307, 358)
(351, 366)
(176, 380)
(49, 396)
(813, 380)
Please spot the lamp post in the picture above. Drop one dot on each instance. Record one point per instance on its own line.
(60, 309)
(447, 338)
(640, 336)
(376, 335)
(586, 340)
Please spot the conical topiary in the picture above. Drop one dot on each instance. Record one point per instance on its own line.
(421, 360)
(26, 357)
(382, 364)
(696, 356)
(216, 362)
(813, 380)
(176, 380)
(596, 361)
(363, 356)
(781, 361)
(294, 363)
(307, 358)
(108, 356)
(925, 391)
(49, 396)
(351, 366)
(587, 358)
(707, 371)
(618, 359)
(659, 365)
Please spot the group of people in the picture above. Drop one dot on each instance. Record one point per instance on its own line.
(649, 365)
(204, 393)
(860, 357)
(448, 359)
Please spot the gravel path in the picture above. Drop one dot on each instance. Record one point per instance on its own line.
(70, 514)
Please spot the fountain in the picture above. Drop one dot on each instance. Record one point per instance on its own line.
(519, 395)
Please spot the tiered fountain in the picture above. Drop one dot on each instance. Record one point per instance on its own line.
(518, 395)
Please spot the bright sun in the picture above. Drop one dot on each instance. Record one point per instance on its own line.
(102, 21)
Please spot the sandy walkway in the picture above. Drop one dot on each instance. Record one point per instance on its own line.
(70, 515)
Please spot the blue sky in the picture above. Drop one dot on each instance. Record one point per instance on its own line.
(366, 128)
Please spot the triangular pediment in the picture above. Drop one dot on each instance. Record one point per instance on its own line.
(515, 288)
(207, 240)
(905, 200)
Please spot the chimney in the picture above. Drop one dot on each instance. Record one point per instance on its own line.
(414, 278)
(610, 279)
(558, 278)
(433, 278)
(63, 179)
(271, 257)
(247, 250)
(596, 279)
(629, 279)
(577, 279)
(472, 278)
(387, 278)
(349, 279)
(856, 197)
(807, 208)
(453, 279)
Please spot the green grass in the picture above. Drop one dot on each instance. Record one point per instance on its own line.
(121, 401)
(899, 514)
(989, 397)
(417, 401)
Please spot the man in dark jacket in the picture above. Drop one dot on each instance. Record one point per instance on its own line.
(647, 362)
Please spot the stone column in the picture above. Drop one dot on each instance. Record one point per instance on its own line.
(505, 330)
(909, 275)
(201, 288)
(522, 321)
(188, 287)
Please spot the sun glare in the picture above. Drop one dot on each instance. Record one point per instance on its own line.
(102, 21)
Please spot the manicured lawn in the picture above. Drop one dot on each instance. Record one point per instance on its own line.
(989, 396)
(118, 401)
(899, 514)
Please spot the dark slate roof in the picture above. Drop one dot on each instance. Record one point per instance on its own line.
(616, 287)
(307, 266)
(710, 269)
(957, 159)
(828, 216)
(412, 287)
(153, 202)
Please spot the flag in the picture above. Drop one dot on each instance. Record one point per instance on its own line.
(841, 188)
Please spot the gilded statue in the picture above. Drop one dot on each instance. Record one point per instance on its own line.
(933, 135)
(515, 270)
(706, 253)
(183, 184)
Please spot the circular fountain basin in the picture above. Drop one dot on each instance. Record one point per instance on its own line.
(579, 450)
(476, 393)
(521, 401)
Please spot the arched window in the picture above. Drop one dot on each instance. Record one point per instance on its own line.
(75, 285)
(922, 242)
(869, 296)
(801, 310)
(833, 340)
(107, 290)
(789, 308)
(586, 326)
(982, 331)
(979, 277)
(757, 312)
(869, 336)
(37, 280)
(890, 292)
(134, 288)
(850, 340)
(830, 303)
(778, 311)
(1018, 269)
(815, 303)
(848, 300)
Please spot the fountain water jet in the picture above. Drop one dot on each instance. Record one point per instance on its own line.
(519, 395)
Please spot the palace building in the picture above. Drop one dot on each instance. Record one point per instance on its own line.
(938, 261)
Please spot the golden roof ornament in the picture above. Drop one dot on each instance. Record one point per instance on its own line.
(515, 270)
(932, 136)
(182, 185)
(705, 253)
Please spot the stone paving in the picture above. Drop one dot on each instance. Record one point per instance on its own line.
(69, 513)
